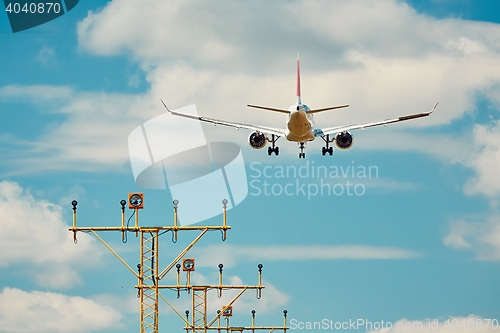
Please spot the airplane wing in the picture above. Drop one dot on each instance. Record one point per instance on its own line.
(268, 130)
(374, 123)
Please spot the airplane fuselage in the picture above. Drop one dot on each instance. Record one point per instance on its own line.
(300, 125)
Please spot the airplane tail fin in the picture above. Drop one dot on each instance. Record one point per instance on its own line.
(298, 80)
(299, 102)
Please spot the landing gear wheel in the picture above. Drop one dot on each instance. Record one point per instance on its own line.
(327, 149)
(273, 148)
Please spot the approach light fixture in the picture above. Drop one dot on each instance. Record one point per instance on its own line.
(136, 200)
(227, 310)
(188, 264)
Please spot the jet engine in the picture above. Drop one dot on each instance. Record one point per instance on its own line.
(343, 140)
(257, 140)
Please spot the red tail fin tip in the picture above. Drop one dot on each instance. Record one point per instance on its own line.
(298, 80)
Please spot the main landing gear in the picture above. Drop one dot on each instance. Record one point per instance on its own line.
(273, 149)
(302, 147)
(327, 149)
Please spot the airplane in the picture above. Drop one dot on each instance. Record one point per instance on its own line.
(300, 126)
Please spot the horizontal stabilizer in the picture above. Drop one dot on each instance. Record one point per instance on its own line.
(270, 109)
(326, 109)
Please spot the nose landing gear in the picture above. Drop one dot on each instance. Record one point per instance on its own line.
(301, 153)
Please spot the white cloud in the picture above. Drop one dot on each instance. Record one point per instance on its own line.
(37, 238)
(36, 311)
(197, 32)
(493, 94)
(127, 303)
(192, 30)
(36, 93)
(458, 232)
(482, 237)
(238, 253)
(94, 136)
(471, 323)
(45, 55)
(386, 53)
(76, 192)
(486, 161)
(390, 185)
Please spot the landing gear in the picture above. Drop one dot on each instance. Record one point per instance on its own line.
(327, 149)
(273, 149)
(302, 147)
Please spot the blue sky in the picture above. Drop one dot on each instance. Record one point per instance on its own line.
(420, 242)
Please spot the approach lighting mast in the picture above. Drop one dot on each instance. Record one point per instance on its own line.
(149, 275)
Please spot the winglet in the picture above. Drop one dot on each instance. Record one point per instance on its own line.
(434, 108)
(166, 107)
(298, 80)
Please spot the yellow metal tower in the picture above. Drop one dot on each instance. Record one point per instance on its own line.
(149, 276)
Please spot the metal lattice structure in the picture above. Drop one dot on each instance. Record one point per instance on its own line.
(149, 276)
(148, 287)
(199, 308)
